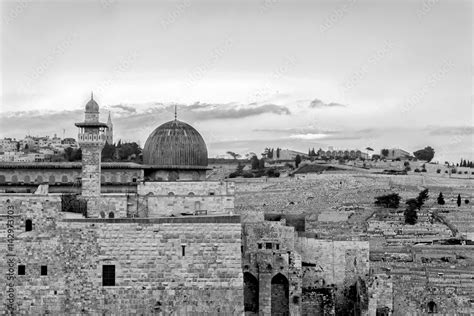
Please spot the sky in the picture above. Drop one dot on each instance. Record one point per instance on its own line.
(246, 74)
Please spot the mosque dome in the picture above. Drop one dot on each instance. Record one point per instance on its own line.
(175, 144)
(92, 106)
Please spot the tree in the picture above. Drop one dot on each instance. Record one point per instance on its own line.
(254, 162)
(422, 197)
(18, 146)
(128, 150)
(234, 155)
(425, 154)
(261, 164)
(297, 160)
(389, 200)
(278, 152)
(384, 152)
(441, 199)
(411, 216)
(459, 200)
(108, 152)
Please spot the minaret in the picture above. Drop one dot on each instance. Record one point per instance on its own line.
(109, 134)
(91, 139)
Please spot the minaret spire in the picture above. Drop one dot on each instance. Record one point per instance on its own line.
(92, 95)
(175, 112)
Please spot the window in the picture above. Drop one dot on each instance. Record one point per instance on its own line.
(44, 270)
(259, 246)
(183, 250)
(21, 269)
(28, 225)
(108, 275)
(111, 215)
(212, 193)
(277, 246)
(268, 245)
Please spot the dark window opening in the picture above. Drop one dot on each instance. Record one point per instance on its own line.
(108, 275)
(268, 245)
(242, 249)
(21, 269)
(211, 193)
(277, 246)
(183, 250)
(44, 270)
(134, 179)
(432, 308)
(259, 246)
(28, 225)
(111, 215)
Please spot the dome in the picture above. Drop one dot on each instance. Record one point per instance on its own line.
(92, 106)
(175, 144)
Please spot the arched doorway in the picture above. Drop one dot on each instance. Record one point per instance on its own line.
(250, 294)
(432, 308)
(280, 295)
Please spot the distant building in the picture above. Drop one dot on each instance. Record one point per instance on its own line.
(287, 154)
(396, 153)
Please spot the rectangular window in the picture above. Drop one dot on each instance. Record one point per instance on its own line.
(259, 246)
(108, 275)
(268, 245)
(277, 246)
(183, 250)
(44, 270)
(211, 193)
(21, 269)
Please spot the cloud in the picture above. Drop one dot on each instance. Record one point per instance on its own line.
(450, 130)
(205, 111)
(317, 104)
(126, 108)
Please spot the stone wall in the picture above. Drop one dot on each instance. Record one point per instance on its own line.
(154, 273)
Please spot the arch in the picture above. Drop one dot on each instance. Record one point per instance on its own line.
(111, 215)
(2, 178)
(64, 179)
(173, 176)
(197, 205)
(113, 179)
(102, 214)
(27, 179)
(195, 176)
(250, 293)
(15, 178)
(28, 225)
(280, 295)
(191, 193)
(39, 179)
(170, 193)
(432, 307)
(52, 179)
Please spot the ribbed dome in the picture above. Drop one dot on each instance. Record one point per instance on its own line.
(175, 143)
(92, 106)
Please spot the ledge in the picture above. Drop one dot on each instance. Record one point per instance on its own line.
(218, 219)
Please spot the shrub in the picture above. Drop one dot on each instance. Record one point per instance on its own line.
(438, 171)
(466, 201)
(247, 175)
(423, 170)
(388, 201)
(233, 175)
(441, 199)
(272, 173)
(446, 171)
(417, 170)
(465, 172)
(459, 172)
